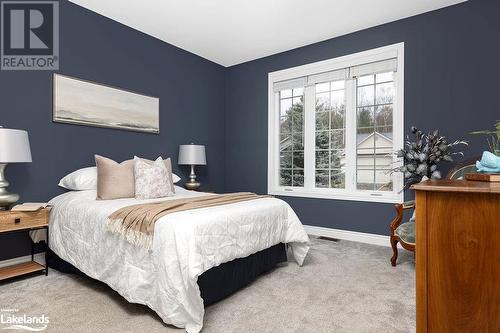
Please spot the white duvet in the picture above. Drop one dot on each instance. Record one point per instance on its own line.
(185, 245)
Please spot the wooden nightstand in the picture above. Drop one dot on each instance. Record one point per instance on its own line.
(202, 190)
(21, 222)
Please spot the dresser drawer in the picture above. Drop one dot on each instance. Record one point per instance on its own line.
(10, 221)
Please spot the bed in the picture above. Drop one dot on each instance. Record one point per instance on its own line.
(197, 257)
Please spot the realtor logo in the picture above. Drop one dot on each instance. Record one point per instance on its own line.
(11, 319)
(30, 35)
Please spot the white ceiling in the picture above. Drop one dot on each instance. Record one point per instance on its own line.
(230, 32)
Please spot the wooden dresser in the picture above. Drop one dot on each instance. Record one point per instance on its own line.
(458, 256)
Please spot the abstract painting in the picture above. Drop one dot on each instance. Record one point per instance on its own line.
(86, 103)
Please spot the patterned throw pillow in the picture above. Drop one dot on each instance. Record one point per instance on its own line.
(151, 180)
(168, 165)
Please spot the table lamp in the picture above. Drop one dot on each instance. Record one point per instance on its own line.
(14, 148)
(192, 155)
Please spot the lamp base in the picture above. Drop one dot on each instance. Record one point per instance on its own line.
(7, 199)
(192, 186)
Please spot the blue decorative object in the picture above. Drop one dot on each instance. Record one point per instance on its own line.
(489, 163)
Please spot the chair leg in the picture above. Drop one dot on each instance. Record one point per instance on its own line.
(394, 244)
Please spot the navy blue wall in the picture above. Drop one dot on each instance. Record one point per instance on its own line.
(92, 47)
(452, 80)
(452, 76)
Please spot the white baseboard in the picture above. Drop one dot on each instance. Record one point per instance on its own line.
(354, 236)
(39, 257)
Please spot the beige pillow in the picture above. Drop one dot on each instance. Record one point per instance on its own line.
(152, 179)
(114, 180)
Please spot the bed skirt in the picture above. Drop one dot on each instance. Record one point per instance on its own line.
(218, 282)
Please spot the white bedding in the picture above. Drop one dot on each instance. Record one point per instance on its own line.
(185, 245)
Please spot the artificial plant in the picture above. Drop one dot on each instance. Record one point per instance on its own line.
(493, 138)
(422, 156)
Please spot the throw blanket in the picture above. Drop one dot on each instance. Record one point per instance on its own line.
(136, 223)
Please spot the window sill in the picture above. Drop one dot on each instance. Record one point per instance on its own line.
(364, 197)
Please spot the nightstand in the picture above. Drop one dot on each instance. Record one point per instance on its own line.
(202, 190)
(11, 222)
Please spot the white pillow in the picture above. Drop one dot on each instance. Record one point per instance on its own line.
(175, 178)
(80, 180)
(86, 179)
(152, 180)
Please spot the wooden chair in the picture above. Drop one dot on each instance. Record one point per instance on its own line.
(404, 233)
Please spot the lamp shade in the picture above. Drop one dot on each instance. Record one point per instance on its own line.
(192, 154)
(14, 146)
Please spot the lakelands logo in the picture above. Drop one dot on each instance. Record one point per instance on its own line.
(29, 35)
(11, 320)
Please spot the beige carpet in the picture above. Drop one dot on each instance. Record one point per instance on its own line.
(343, 287)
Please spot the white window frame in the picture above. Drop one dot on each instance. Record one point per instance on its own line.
(349, 193)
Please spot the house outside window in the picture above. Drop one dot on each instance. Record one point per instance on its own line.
(334, 125)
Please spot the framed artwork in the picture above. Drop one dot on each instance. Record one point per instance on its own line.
(81, 102)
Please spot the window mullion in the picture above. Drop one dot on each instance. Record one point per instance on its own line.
(350, 144)
(309, 136)
(276, 139)
(398, 131)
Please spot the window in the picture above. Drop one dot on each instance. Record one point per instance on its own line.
(292, 137)
(334, 125)
(374, 108)
(330, 134)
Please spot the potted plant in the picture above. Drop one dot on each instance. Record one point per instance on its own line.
(422, 156)
(493, 138)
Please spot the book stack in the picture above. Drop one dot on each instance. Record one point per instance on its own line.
(483, 177)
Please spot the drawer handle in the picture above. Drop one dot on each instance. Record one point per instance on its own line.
(17, 220)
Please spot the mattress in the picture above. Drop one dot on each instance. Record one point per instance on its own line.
(185, 245)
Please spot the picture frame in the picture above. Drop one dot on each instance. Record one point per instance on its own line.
(87, 103)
